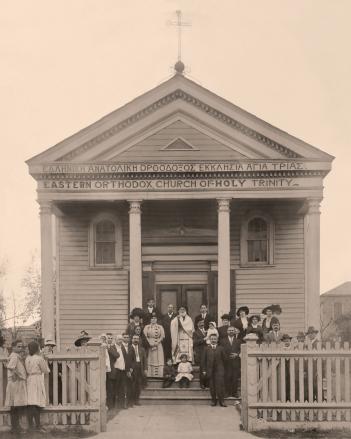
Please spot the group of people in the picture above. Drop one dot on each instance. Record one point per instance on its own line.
(25, 391)
(169, 346)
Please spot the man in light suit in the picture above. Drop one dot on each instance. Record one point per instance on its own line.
(213, 361)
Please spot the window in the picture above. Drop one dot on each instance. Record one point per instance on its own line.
(105, 241)
(256, 241)
(337, 310)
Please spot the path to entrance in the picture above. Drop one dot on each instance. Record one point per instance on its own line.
(170, 421)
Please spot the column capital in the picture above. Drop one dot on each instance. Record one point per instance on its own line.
(313, 206)
(45, 207)
(223, 204)
(134, 206)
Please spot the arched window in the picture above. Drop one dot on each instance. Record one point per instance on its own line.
(105, 241)
(257, 233)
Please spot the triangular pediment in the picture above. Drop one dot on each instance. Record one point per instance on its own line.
(180, 119)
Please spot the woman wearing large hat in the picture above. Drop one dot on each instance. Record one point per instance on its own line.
(154, 334)
(270, 313)
(83, 339)
(242, 321)
(136, 319)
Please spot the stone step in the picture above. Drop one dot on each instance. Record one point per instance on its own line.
(182, 400)
(176, 391)
(156, 383)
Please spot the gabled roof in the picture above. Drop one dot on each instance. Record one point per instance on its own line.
(183, 99)
(341, 290)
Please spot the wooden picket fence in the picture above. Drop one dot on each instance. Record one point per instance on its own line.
(75, 389)
(300, 386)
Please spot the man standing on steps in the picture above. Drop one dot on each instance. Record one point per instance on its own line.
(166, 323)
(150, 309)
(205, 316)
(199, 347)
(213, 362)
(138, 364)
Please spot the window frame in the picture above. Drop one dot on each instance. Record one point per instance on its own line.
(335, 304)
(244, 256)
(118, 241)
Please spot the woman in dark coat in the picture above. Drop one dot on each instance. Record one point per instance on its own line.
(136, 317)
(241, 322)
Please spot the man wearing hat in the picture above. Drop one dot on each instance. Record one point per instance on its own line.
(241, 322)
(222, 330)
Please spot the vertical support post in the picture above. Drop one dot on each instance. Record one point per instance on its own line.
(251, 391)
(47, 271)
(312, 263)
(223, 256)
(135, 265)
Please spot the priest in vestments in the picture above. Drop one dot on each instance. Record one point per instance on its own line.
(182, 329)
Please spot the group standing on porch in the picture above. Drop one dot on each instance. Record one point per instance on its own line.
(168, 347)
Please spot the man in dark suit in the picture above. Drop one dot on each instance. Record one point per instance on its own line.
(205, 316)
(231, 345)
(111, 376)
(150, 309)
(138, 364)
(199, 343)
(213, 362)
(166, 323)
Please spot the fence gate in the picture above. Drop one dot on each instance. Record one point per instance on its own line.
(295, 386)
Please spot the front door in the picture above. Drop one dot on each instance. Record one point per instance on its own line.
(191, 296)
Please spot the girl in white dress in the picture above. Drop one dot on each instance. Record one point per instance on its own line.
(184, 375)
(36, 367)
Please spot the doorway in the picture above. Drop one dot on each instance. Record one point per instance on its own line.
(191, 296)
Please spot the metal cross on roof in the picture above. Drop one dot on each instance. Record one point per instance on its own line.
(179, 23)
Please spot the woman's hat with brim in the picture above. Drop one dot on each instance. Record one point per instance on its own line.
(243, 308)
(277, 309)
(311, 330)
(137, 312)
(225, 317)
(264, 311)
(255, 316)
(84, 336)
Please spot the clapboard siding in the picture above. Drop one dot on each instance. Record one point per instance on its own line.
(283, 283)
(92, 299)
(206, 148)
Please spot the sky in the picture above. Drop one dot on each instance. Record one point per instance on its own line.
(66, 63)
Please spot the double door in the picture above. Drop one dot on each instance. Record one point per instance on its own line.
(191, 296)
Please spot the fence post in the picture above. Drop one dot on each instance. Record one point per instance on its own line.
(103, 411)
(250, 379)
(97, 387)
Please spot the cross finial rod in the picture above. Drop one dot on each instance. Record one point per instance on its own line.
(180, 24)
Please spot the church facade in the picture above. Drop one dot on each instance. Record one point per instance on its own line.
(182, 197)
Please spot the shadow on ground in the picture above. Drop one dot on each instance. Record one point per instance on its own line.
(304, 434)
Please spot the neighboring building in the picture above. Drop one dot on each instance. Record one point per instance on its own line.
(184, 197)
(334, 303)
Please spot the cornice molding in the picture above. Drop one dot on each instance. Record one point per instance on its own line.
(176, 95)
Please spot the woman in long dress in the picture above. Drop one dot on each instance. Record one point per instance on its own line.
(36, 367)
(154, 334)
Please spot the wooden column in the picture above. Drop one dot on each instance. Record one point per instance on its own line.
(47, 271)
(223, 256)
(135, 266)
(312, 263)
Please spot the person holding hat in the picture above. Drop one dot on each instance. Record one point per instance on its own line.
(222, 330)
(154, 334)
(184, 375)
(83, 339)
(255, 328)
(241, 322)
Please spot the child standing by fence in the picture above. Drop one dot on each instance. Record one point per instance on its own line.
(36, 367)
